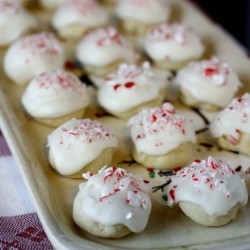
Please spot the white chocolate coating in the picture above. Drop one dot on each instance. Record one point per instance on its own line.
(15, 21)
(78, 142)
(104, 46)
(54, 94)
(128, 87)
(174, 43)
(86, 13)
(115, 196)
(212, 184)
(210, 81)
(146, 11)
(32, 55)
(235, 118)
(159, 130)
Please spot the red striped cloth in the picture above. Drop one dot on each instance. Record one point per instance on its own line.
(20, 227)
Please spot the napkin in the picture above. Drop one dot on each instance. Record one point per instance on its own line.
(20, 227)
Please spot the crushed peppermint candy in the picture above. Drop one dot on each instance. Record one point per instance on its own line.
(217, 71)
(60, 79)
(116, 180)
(87, 130)
(241, 105)
(211, 171)
(210, 183)
(42, 43)
(127, 76)
(176, 32)
(157, 119)
(106, 37)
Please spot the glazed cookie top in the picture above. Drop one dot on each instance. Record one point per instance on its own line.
(15, 22)
(146, 11)
(54, 94)
(211, 184)
(80, 141)
(158, 130)
(235, 118)
(103, 46)
(115, 196)
(33, 55)
(209, 80)
(79, 12)
(128, 87)
(173, 42)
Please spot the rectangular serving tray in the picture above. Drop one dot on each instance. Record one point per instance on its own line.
(53, 194)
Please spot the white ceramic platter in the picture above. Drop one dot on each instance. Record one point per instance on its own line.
(168, 227)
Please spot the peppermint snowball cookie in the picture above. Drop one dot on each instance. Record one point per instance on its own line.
(129, 89)
(112, 204)
(15, 22)
(80, 145)
(207, 84)
(139, 16)
(32, 55)
(102, 50)
(54, 97)
(231, 127)
(173, 46)
(162, 138)
(75, 17)
(208, 191)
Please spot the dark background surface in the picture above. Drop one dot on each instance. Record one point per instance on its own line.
(233, 16)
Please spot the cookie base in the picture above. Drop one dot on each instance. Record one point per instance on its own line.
(94, 227)
(56, 122)
(198, 215)
(178, 157)
(243, 145)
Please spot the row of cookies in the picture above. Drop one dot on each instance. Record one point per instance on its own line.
(162, 137)
(113, 203)
(81, 139)
(116, 180)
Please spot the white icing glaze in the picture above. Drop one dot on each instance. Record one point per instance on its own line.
(86, 13)
(211, 184)
(52, 3)
(32, 55)
(159, 130)
(104, 46)
(209, 80)
(235, 118)
(14, 22)
(54, 94)
(78, 142)
(115, 196)
(146, 11)
(128, 87)
(173, 42)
